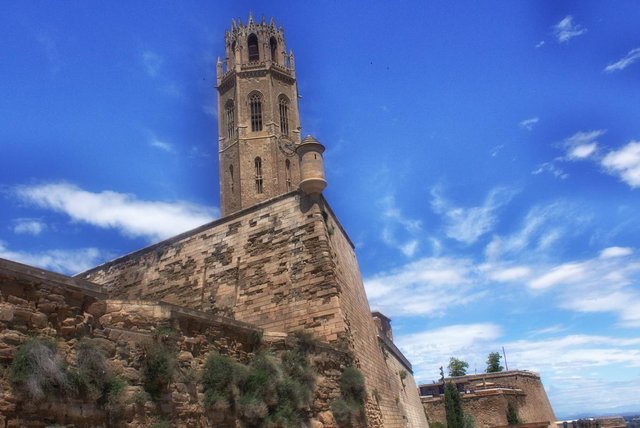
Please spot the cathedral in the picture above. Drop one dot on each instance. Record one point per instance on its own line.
(278, 261)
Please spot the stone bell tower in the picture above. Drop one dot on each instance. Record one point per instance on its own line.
(258, 119)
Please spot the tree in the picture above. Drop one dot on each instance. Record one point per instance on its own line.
(493, 363)
(457, 367)
(453, 406)
(512, 414)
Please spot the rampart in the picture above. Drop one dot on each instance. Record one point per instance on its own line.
(486, 397)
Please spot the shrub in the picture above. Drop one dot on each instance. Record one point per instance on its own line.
(512, 414)
(437, 424)
(269, 392)
(342, 412)
(353, 395)
(218, 381)
(38, 370)
(158, 369)
(352, 385)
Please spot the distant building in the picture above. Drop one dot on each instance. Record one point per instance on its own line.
(486, 397)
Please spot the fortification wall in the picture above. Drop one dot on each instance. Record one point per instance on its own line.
(268, 265)
(489, 407)
(283, 265)
(393, 398)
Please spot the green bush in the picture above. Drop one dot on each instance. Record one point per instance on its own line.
(38, 370)
(512, 414)
(437, 424)
(353, 394)
(270, 392)
(158, 368)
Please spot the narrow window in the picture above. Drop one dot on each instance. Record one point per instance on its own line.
(231, 183)
(258, 164)
(230, 119)
(283, 105)
(273, 44)
(254, 53)
(287, 174)
(256, 112)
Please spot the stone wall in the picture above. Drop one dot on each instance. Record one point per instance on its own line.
(489, 395)
(36, 303)
(268, 265)
(284, 265)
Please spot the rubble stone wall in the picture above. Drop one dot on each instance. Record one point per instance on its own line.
(35, 303)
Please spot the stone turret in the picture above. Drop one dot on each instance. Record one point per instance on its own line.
(312, 181)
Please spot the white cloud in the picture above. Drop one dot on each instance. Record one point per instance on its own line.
(630, 58)
(611, 252)
(468, 224)
(428, 286)
(569, 272)
(64, 261)
(510, 274)
(582, 145)
(162, 145)
(565, 30)
(398, 231)
(431, 349)
(28, 226)
(528, 124)
(151, 62)
(540, 44)
(552, 169)
(542, 226)
(154, 220)
(625, 163)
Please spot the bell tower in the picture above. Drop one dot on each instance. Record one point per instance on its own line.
(258, 118)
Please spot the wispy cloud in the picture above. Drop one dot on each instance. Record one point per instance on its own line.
(64, 261)
(611, 252)
(431, 349)
(112, 210)
(398, 230)
(428, 287)
(551, 168)
(543, 224)
(630, 58)
(468, 224)
(540, 44)
(624, 163)
(528, 124)
(151, 62)
(161, 145)
(566, 29)
(28, 226)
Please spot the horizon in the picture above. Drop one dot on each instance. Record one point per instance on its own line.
(485, 161)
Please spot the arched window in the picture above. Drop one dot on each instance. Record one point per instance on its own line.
(273, 45)
(231, 179)
(287, 174)
(255, 102)
(231, 126)
(283, 104)
(258, 165)
(252, 44)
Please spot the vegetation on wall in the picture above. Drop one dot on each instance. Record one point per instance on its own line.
(352, 397)
(271, 391)
(158, 369)
(512, 414)
(39, 372)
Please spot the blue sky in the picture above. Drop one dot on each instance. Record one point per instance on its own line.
(484, 156)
